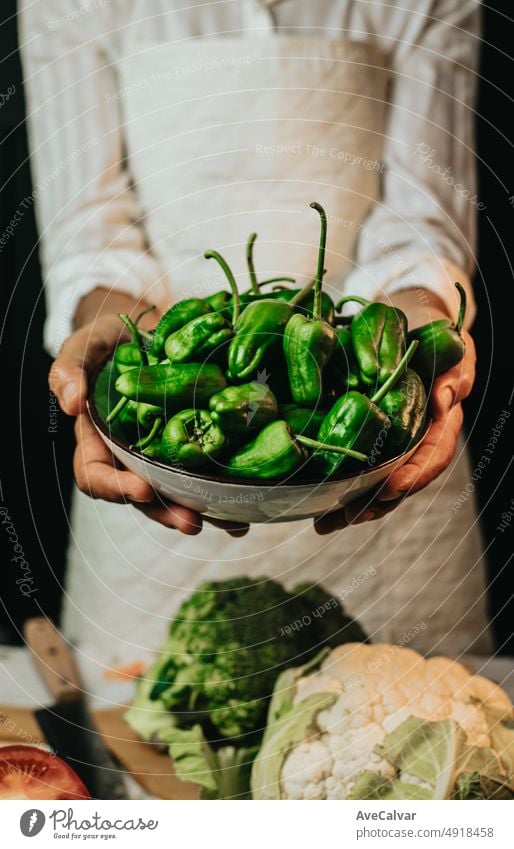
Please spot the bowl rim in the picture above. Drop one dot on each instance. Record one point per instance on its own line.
(251, 482)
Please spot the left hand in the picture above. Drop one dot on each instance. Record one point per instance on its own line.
(432, 457)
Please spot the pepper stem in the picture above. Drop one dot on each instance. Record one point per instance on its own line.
(116, 410)
(400, 368)
(136, 336)
(316, 308)
(236, 303)
(350, 298)
(249, 261)
(337, 449)
(145, 440)
(142, 313)
(277, 280)
(462, 307)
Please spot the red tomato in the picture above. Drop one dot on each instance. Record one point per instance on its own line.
(27, 772)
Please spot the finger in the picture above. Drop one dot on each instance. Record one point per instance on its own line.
(80, 353)
(235, 529)
(330, 522)
(173, 516)
(96, 473)
(367, 510)
(454, 385)
(432, 457)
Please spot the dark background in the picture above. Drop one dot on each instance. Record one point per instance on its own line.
(35, 473)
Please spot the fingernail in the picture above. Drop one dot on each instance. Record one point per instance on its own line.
(69, 393)
(447, 398)
(367, 516)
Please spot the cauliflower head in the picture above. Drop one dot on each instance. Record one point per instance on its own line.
(365, 718)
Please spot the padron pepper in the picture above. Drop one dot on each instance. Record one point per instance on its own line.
(276, 451)
(441, 345)
(356, 421)
(134, 353)
(406, 406)
(343, 359)
(191, 438)
(302, 420)
(139, 347)
(310, 342)
(327, 308)
(244, 408)
(172, 386)
(379, 334)
(207, 333)
(176, 317)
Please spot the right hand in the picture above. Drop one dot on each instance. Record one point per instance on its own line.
(97, 472)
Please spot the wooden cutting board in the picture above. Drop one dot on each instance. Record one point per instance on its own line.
(148, 764)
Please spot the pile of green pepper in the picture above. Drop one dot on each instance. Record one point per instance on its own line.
(266, 384)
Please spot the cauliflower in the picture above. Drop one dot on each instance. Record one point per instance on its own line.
(372, 720)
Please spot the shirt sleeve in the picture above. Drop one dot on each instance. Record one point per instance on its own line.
(421, 233)
(88, 218)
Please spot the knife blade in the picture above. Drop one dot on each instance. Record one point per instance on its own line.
(67, 725)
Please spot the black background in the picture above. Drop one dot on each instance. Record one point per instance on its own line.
(36, 464)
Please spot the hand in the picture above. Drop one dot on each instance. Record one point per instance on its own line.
(97, 472)
(432, 457)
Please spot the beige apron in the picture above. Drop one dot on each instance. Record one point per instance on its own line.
(225, 136)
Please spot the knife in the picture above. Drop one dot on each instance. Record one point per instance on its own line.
(67, 725)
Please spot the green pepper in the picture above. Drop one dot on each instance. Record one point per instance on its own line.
(218, 301)
(172, 386)
(147, 439)
(176, 317)
(276, 451)
(405, 405)
(379, 334)
(302, 420)
(309, 342)
(128, 355)
(441, 345)
(147, 413)
(204, 334)
(259, 329)
(356, 421)
(241, 409)
(273, 453)
(153, 449)
(191, 438)
(327, 308)
(343, 359)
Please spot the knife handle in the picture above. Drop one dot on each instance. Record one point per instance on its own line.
(53, 658)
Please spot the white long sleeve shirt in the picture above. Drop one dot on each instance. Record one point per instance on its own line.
(420, 232)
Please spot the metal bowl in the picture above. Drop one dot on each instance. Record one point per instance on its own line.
(247, 500)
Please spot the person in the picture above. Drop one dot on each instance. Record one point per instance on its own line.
(158, 132)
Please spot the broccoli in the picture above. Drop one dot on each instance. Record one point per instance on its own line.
(226, 646)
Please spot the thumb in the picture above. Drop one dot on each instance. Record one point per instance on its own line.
(70, 372)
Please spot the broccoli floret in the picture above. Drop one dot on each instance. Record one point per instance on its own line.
(228, 643)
